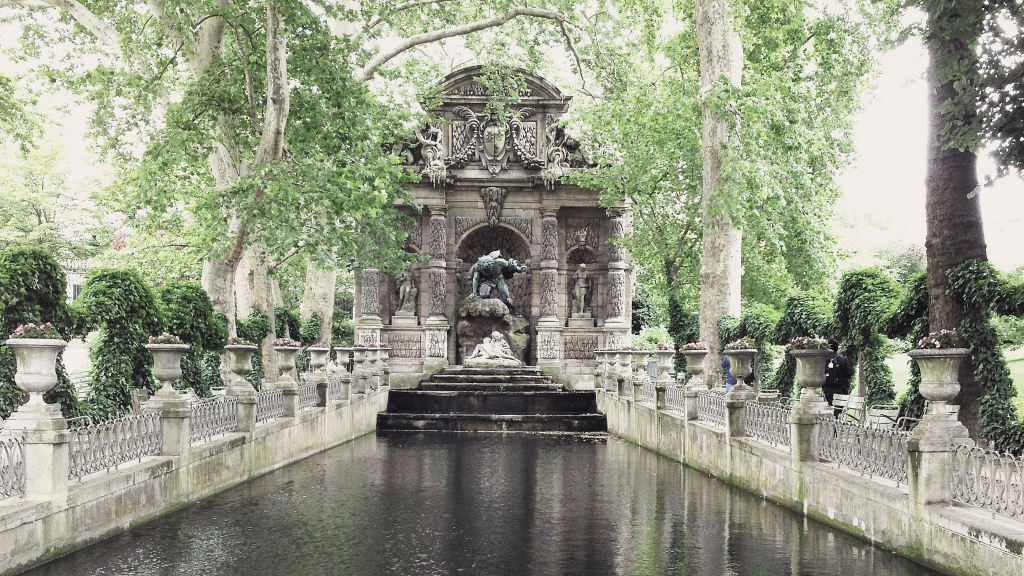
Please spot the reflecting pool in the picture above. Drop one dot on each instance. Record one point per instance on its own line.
(433, 504)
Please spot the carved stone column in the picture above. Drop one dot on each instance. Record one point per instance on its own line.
(549, 328)
(369, 325)
(616, 301)
(435, 352)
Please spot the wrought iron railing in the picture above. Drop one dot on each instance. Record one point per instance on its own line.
(211, 417)
(989, 480)
(711, 407)
(12, 465)
(871, 451)
(334, 388)
(768, 422)
(269, 405)
(674, 399)
(106, 445)
(307, 395)
(648, 394)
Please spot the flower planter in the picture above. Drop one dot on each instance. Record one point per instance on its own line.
(695, 366)
(810, 374)
(940, 368)
(664, 364)
(240, 362)
(317, 357)
(286, 361)
(37, 365)
(167, 366)
(640, 364)
(741, 365)
(343, 355)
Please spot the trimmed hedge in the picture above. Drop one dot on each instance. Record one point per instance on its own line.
(805, 314)
(863, 306)
(188, 313)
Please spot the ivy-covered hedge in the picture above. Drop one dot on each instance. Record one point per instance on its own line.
(758, 322)
(909, 321)
(119, 304)
(254, 328)
(805, 314)
(188, 313)
(287, 323)
(863, 306)
(32, 289)
(684, 327)
(983, 292)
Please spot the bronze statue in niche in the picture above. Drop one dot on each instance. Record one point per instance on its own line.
(490, 273)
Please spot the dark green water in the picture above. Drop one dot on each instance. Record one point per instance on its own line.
(442, 504)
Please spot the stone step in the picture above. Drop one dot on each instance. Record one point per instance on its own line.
(573, 423)
(492, 386)
(496, 378)
(491, 402)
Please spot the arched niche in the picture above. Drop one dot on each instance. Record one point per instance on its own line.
(484, 240)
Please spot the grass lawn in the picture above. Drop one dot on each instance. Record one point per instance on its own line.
(1014, 358)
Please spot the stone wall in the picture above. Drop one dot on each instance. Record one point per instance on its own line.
(949, 538)
(35, 530)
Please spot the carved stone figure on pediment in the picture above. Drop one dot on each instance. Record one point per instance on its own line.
(494, 201)
(564, 152)
(581, 293)
(431, 141)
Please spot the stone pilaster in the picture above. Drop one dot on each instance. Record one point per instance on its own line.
(549, 328)
(617, 286)
(930, 452)
(369, 325)
(435, 344)
(47, 459)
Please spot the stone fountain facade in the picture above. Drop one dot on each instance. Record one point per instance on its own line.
(489, 184)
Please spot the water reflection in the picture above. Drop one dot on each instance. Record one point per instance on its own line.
(433, 504)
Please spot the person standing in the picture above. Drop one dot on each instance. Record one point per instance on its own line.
(838, 373)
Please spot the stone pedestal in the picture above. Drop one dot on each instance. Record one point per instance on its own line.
(930, 453)
(174, 421)
(586, 322)
(803, 425)
(289, 397)
(736, 411)
(404, 318)
(690, 398)
(246, 397)
(47, 463)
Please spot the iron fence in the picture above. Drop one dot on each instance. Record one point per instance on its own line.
(768, 422)
(334, 388)
(711, 407)
(674, 399)
(106, 445)
(12, 466)
(988, 479)
(871, 451)
(269, 405)
(211, 417)
(307, 395)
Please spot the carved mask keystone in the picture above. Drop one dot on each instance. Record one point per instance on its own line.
(494, 201)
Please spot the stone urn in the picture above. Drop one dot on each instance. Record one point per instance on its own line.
(695, 367)
(741, 365)
(664, 364)
(343, 355)
(640, 364)
(37, 365)
(167, 366)
(940, 369)
(810, 374)
(286, 360)
(318, 357)
(600, 368)
(240, 362)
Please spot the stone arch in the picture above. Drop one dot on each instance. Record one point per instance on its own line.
(485, 239)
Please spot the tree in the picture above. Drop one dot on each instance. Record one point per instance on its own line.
(18, 123)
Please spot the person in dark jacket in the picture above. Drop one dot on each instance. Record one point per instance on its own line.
(838, 373)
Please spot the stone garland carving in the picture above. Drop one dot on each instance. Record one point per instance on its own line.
(547, 345)
(616, 294)
(548, 292)
(549, 238)
(581, 233)
(494, 201)
(438, 237)
(437, 344)
(524, 225)
(371, 292)
(438, 294)
(618, 230)
(580, 347)
(406, 345)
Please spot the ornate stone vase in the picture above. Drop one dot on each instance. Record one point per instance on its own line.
(695, 366)
(344, 354)
(167, 365)
(810, 374)
(741, 365)
(36, 365)
(240, 361)
(640, 363)
(286, 360)
(317, 357)
(664, 363)
(940, 368)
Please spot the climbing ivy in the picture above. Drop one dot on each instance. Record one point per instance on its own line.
(805, 314)
(119, 304)
(909, 321)
(863, 305)
(982, 292)
(684, 326)
(254, 328)
(188, 314)
(286, 323)
(32, 287)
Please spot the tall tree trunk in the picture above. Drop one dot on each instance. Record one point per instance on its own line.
(955, 232)
(721, 57)
(318, 298)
